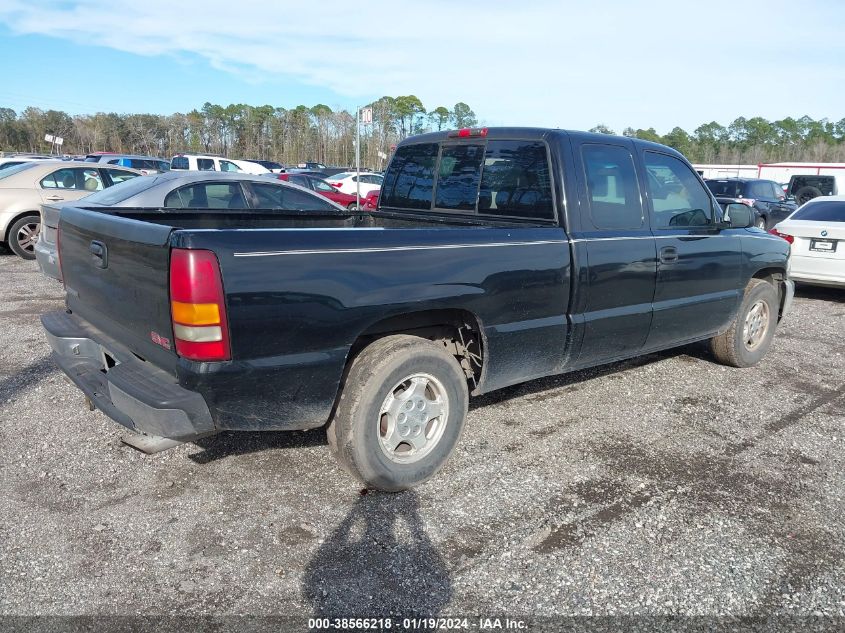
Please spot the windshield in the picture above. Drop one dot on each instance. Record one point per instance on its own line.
(122, 191)
(725, 188)
(821, 211)
(11, 171)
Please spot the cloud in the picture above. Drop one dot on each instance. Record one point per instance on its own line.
(659, 63)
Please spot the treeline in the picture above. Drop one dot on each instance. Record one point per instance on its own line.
(751, 141)
(266, 132)
(321, 134)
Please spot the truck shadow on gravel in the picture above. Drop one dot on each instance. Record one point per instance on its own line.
(227, 444)
(379, 561)
(689, 353)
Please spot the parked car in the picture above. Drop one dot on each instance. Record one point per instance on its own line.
(496, 256)
(270, 165)
(348, 182)
(816, 232)
(25, 187)
(203, 162)
(320, 186)
(370, 202)
(11, 161)
(806, 187)
(765, 197)
(182, 190)
(145, 164)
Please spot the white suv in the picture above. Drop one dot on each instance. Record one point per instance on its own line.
(205, 162)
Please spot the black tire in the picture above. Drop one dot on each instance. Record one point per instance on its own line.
(359, 429)
(732, 347)
(352, 206)
(761, 222)
(23, 234)
(805, 194)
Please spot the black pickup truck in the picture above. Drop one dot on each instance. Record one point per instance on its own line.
(495, 256)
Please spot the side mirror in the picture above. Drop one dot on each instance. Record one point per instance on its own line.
(738, 216)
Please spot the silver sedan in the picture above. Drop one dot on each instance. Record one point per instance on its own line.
(185, 190)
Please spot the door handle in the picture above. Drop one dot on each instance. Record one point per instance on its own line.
(668, 255)
(99, 254)
(54, 198)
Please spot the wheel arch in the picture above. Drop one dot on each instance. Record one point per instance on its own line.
(15, 218)
(775, 275)
(460, 332)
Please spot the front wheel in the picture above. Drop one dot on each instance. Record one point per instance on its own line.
(750, 334)
(23, 235)
(401, 412)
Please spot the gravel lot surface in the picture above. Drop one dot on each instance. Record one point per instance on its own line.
(662, 485)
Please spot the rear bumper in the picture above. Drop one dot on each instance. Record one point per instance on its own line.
(131, 392)
(47, 258)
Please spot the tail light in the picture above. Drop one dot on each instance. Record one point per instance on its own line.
(785, 236)
(198, 306)
(748, 202)
(335, 184)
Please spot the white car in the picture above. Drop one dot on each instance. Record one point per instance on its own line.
(11, 161)
(207, 162)
(816, 231)
(345, 182)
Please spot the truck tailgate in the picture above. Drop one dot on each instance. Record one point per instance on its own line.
(116, 273)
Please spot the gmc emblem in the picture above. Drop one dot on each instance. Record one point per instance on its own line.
(158, 339)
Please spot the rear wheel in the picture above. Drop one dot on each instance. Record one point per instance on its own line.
(760, 222)
(750, 335)
(23, 234)
(352, 206)
(401, 412)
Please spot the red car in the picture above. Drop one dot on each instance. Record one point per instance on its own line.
(370, 201)
(320, 186)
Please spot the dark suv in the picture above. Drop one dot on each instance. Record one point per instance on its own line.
(806, 187)
(765, 197)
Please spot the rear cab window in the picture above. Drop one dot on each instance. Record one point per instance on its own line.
(179, 162)
(507, 178)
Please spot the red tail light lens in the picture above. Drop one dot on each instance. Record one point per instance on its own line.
(785, 236)
(748, 202)
(198, 306)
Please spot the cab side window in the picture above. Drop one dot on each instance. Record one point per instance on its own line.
(205, 164)
(612, 187)
(678, 198)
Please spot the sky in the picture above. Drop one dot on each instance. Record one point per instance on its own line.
(650, 63)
